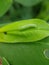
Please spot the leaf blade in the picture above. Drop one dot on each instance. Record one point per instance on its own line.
(24, 31)
(4, 6)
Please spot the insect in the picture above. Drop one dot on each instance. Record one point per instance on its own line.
(24, 31)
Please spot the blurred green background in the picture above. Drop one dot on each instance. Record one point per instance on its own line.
(13, 10)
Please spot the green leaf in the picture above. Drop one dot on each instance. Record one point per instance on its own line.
(4, 6)
(44, 12)
(28, 2)
(25, 53)
(24, 31)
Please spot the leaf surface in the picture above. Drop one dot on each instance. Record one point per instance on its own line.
(28, 2)
(4, 6)
(26, 53)
(24, 31)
